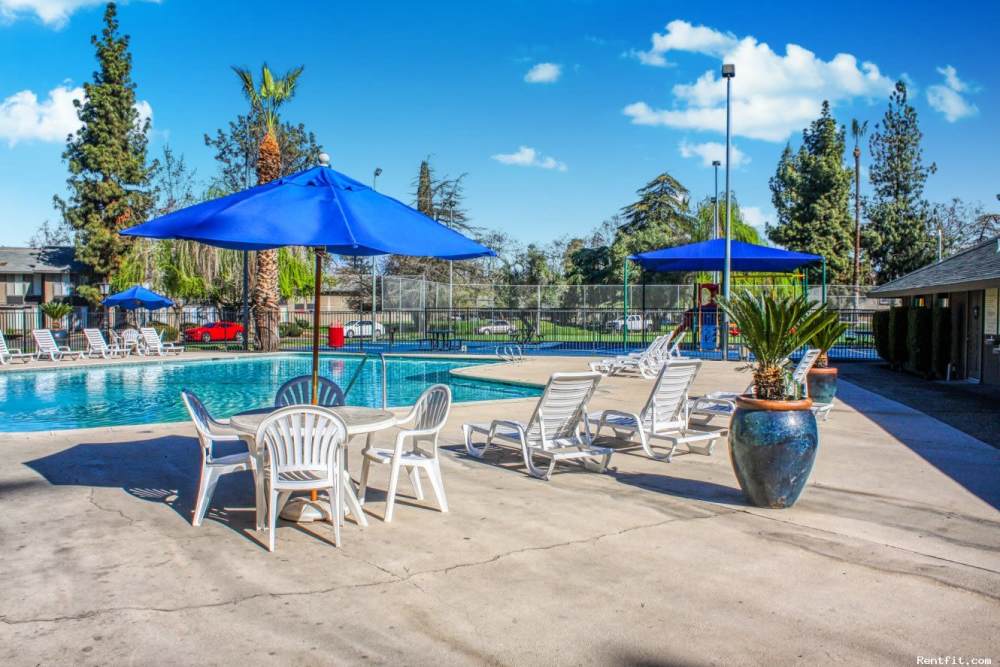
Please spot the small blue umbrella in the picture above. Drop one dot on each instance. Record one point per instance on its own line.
(711, 256)
(137, 297)
(318, 208)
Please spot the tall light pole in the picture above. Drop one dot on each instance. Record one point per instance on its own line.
(715, 201)
(375, 175)
(728, 72)
(451, 264)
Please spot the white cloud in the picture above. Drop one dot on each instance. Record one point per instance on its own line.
(774, 95)
(52, 13)
(947, 98)
(713, 150)
(754, 217)
(529, 157)
(544, 73)
(23, 117)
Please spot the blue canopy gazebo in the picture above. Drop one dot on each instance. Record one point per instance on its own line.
(711, 256)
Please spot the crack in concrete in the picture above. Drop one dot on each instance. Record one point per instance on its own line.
(396, 579)
(93, 501)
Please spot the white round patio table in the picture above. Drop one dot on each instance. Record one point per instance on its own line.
(358, 420)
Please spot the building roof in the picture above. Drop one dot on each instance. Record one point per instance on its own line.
(975, 268)
(53, 259)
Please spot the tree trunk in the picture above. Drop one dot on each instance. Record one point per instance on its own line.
(265, 288)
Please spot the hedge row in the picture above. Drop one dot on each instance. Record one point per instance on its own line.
(915, 339)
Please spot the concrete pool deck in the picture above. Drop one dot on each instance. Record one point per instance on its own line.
(892, 553)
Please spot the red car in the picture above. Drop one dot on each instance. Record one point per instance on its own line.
(214, 331)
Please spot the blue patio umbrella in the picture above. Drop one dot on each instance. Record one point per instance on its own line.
(137, 297)
(318, 208)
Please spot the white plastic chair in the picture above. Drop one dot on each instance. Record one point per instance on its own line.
(155, 345)
(305, 453)
(98, 347)
(211, 431)
(47, 347)
(664, 416)
(428, 417)
(553, 432)
(129, 340)
(298, 391)
(9, 354)
(723, 403)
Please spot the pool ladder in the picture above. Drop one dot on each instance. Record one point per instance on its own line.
(385, 386)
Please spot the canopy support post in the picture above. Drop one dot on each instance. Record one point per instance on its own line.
(246, 300)
(625, 308)
(374, 279)
(317, 288)
(823, 292)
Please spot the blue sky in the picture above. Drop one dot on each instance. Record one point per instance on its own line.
(558, 111)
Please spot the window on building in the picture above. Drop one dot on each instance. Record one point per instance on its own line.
(62, 285)
(18, 284)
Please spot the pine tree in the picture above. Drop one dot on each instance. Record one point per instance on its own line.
(811, 194)
(658, 219)
(109, 178)
(425, 190)
(898, 237)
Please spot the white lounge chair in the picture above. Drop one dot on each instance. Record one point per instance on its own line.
(47, 347)
(98, 347)
(9, 354)
(211, 431)
(645, 362)
(664, 416)
(428, 417)
(723, 403)
(553, 431)
(155, 345)
(305, 450)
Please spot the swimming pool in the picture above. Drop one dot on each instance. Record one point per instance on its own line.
(149, 393)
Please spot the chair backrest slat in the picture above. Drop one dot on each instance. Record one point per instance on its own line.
(805, 364)
(151, 338)
(4, 350)
(95, 339)
(44, 340)
(562, 407)
(301, 437)
(432, 408)
(670, 391)
(298, 391)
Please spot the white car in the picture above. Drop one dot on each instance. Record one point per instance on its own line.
(632, 322)
(362, 328)
(496, 327)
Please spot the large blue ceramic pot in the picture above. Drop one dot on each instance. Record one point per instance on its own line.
(772, 445)
(822, 384)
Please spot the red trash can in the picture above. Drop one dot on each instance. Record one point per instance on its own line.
(335, 336)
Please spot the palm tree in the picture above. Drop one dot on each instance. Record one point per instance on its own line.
(858, 131)
(265, 101)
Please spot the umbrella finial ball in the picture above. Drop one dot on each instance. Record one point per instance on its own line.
(324, 159)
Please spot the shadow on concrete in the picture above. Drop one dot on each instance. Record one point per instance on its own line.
(160, 470)
(692, 489)
(973, 465)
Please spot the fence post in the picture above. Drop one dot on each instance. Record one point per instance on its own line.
(625, 308)
(538, 309)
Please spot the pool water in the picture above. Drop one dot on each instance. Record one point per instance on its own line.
(149, 393)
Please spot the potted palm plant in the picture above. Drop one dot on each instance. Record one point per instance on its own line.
(57, 312)
(773, 436)
(822, 378)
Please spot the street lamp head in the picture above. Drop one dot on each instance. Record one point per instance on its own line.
(324, 159)
(716, 163)
(378, 171)
(728, 71)
(104, 287)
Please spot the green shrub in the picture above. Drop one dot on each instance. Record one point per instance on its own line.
(168, 334)
(940, 341)
(289, 330)
(880, 331)
(897, 335)
(303, 323)
(918, 341)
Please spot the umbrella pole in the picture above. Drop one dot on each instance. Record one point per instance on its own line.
(318, 280)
